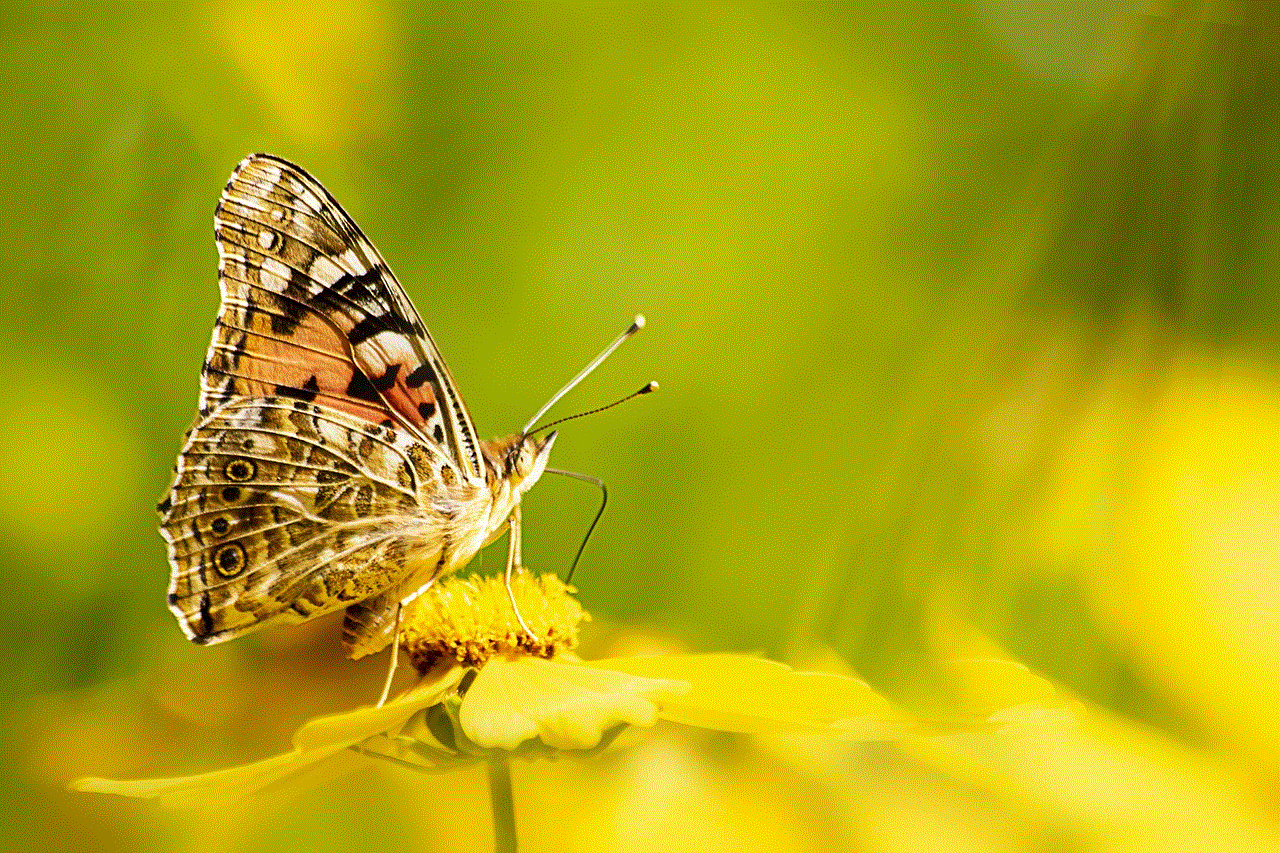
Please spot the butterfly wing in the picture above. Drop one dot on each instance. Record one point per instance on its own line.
(283, 510)
(318, 358)
(311, 311)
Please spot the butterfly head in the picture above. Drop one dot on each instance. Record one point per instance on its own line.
(520, 459)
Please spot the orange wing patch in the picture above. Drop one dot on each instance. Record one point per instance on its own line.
(310, 364)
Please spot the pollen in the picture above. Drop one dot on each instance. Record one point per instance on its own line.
(470, 619)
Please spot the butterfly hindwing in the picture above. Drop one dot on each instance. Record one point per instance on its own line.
(311, 311)
(282, 510)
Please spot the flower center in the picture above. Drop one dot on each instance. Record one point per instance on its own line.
(471, 620)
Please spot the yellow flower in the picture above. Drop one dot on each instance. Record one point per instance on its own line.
(489, 690)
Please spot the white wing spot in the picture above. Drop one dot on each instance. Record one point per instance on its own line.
(266, 238)
(325, 271)
(261, 187)
(230, 264)
(389, 348)
(277, 214)
(274, 275)
(227, 225)
(308, 198)
(252, 203)
(352, 262)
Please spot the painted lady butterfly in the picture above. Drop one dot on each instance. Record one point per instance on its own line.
(334, 463)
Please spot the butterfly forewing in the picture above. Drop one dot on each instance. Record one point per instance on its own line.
(310, 311)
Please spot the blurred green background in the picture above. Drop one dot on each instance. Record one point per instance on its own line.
(965, 314)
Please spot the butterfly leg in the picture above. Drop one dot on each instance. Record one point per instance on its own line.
(513, 562)
(395, 641)
(395, 658)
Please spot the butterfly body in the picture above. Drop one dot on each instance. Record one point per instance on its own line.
(334, 464)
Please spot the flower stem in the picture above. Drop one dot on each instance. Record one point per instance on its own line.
(504, 810)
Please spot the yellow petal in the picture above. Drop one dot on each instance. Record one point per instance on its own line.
(319, 740)
(738, 693)
(354, 726)
(566, 705)
(214, 789)
(986, 686)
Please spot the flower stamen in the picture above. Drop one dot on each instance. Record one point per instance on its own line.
(471, 619)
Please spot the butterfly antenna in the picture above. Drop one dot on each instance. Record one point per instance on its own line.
(636, 326)
(604, 501)
(647, 389)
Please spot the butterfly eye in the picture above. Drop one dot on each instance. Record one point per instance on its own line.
(220, 526)
(230, 494)
(239, 470)
(229, 560)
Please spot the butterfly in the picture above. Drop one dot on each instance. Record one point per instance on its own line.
(334, 464)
